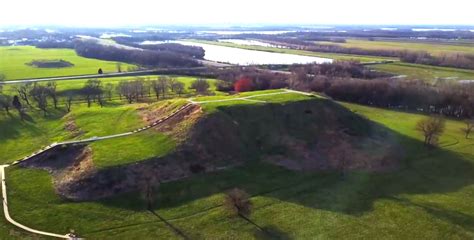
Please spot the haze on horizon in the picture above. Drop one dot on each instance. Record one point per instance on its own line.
(89, 13)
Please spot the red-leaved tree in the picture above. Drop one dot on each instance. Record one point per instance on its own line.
(244, 84)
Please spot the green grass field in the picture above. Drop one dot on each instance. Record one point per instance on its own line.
(429, 197)
(74, 86)
(38, 131)
(334, 56)
(431, 47)
(426, 73)
(13, 63)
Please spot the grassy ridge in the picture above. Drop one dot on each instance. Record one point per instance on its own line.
(424, 72)
(21, 138)
(13, 63)
(430, 197)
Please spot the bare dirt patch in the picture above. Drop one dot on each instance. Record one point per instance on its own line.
(72, 127)
(177, 126)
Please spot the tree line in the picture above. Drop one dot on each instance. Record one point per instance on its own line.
(189, 51)
(456, 60)
(448, 99)
(165, 58)
(45, 96)
(352, 82)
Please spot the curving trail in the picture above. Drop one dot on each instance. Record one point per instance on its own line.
(93, 139)
(12, 221)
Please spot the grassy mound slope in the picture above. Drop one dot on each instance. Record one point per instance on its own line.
(429, 197)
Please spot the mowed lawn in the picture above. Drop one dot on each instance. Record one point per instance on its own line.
(21, 138)
(431, 47)
(14, 60)
(431, 196)
(425, 72)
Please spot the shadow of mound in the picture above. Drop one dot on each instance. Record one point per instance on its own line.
(243, 134)
(422, 171)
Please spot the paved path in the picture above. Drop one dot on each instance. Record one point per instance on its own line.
(249, 98)
(93, 139)
(104, 75)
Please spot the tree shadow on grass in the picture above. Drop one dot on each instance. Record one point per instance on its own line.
(422, 171)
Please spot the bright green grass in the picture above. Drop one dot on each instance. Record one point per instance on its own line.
(97, 121)
(334, 56)
(429, 197)
(13, 63)
(434, 48)
(238, 95)
(21, 138)
(426, 73)
(130, 149)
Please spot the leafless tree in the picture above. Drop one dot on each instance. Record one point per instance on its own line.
(468, 128)
(149, 182)
(53, 93)
(68, 102)
(178, 88)
(119, 66)
(40, 95)
(237, 202)
(156, 86)
(23, 92)
(164, 83)
(431, 128)
(5, 102)
(201, 86)
(16, 103)
(128, 90)
(92, 91)
(109, 87)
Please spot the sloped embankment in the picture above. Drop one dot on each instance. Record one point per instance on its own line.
(314, 134)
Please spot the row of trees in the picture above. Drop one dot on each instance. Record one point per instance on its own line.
(91, 49)
(456, 60)
(444, 60)
(30, 94)
(453, 99)
(138, 89)
(190, 51)
(43, 96)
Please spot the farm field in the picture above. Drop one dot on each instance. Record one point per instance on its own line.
(14, 63)
(297, 52)
(425, 72)
(430, 195)
(431, 47)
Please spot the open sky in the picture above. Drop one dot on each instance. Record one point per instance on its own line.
(138, 12)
